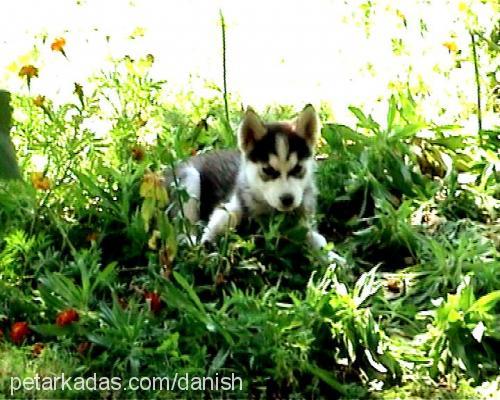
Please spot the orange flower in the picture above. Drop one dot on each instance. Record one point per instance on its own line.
(67, 317)
(394, 285)
(40, 181)
(37, 349)
(39, 100)
(220, 279)
(19, 331)
(122, 301)
(58, 45)
(451, 46)
(92, 237)
(30, 71)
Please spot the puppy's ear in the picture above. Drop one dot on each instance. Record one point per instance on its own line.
(307, 125)
(251, 130)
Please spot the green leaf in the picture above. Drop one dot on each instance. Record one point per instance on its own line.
(63, 287)
(88, 183)
(485, 303)
(189, 290)
(104, 276)
(52, 330)
(407, 131)
(218, 361)
(452, 142)
(364, 121)
(5, 112)
(391, 113)
(334, 133)
(365, 287)
(328, 378)
(148, 209)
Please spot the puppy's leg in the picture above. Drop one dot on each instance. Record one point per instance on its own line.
(224, 217)
(317, 241)
(190, 179)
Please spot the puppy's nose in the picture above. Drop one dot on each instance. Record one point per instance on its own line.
(286, 199)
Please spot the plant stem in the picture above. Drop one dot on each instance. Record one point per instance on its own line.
(224, 69)
(478, 88)
(179, 199)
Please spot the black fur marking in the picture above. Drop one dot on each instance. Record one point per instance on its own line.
(263, 148)
(218, 171)
(297, 172)
(268, 173)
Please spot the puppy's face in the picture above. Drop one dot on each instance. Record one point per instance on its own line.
(279, 156)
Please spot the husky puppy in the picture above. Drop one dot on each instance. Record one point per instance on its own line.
(272, 171)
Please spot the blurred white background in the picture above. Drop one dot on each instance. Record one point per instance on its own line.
(287, 52)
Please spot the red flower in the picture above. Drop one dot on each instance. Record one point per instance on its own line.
(19, 331)
(83, 347)
(154, 300)
(137, 152)
(67, 317)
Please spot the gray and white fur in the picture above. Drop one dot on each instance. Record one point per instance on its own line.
(272, 170)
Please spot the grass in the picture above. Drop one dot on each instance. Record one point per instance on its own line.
(414, 311)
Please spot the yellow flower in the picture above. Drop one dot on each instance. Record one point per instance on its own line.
(462, 6)
(401, 15)
(451, 46)
(152, 242)
(153, 186)
(28, 71)
(39, 181)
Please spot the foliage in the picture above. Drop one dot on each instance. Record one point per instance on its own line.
(410, 204)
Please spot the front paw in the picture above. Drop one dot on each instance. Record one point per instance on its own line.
(333, 257)
(209, 245)
(189, 240)
(206, 238)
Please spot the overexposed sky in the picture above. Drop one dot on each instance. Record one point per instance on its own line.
(288, 52)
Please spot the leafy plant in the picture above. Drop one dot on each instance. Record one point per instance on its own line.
(465, 333)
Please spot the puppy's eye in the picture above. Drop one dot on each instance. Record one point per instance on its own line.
(270, 172)
(296, 171)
